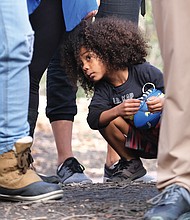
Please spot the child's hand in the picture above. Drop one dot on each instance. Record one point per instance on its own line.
(155, 104)
(128, 108)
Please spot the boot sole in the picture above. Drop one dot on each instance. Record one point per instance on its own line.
(77, 183)
(43, 197)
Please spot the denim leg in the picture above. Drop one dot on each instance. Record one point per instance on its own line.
(16, 49)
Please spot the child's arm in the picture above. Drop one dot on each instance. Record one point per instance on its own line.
(125, 109)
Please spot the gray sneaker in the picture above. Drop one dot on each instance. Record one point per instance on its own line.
(71, 171)
(170, 204)
(124, 171)
(185, 216)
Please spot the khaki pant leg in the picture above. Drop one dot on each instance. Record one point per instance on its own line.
(172, 19)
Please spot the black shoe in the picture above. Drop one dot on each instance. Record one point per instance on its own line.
(108, 172)
(125, 171)
(71, 171)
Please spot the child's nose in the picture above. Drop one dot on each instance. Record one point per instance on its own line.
(85, 66)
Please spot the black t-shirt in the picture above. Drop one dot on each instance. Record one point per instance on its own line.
(106, 96)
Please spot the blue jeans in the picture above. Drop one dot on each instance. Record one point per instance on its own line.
(16, 49)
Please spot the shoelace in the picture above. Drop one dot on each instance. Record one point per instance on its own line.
(75, 167)
(122, 164)
(25, 160)
(145, 95)
(170, 195)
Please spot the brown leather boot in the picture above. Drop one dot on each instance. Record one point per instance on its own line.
(18, 181)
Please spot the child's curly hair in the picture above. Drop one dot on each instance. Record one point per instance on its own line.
(118, 43)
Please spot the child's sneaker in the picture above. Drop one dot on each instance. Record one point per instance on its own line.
(125, 171)
(109, 171)
(71, 171)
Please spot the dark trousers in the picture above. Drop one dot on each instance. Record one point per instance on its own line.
(126, 9)
(48, 23)
(61, 93)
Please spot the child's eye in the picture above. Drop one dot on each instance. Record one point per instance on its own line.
(88, 57)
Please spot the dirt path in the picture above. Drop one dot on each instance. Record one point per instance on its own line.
(97, 201)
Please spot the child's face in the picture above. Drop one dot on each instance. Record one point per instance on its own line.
(92, 66)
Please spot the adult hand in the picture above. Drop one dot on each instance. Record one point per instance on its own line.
(93, 13)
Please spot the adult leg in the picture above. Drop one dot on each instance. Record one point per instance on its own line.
(61, 109)
(13, 70)
(48, 23)
(125, 9)
(17, 181)
(172, 22)
(176, 69)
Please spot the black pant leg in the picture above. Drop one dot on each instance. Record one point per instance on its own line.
(61, 93)
(48, 24)
(126, 9)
